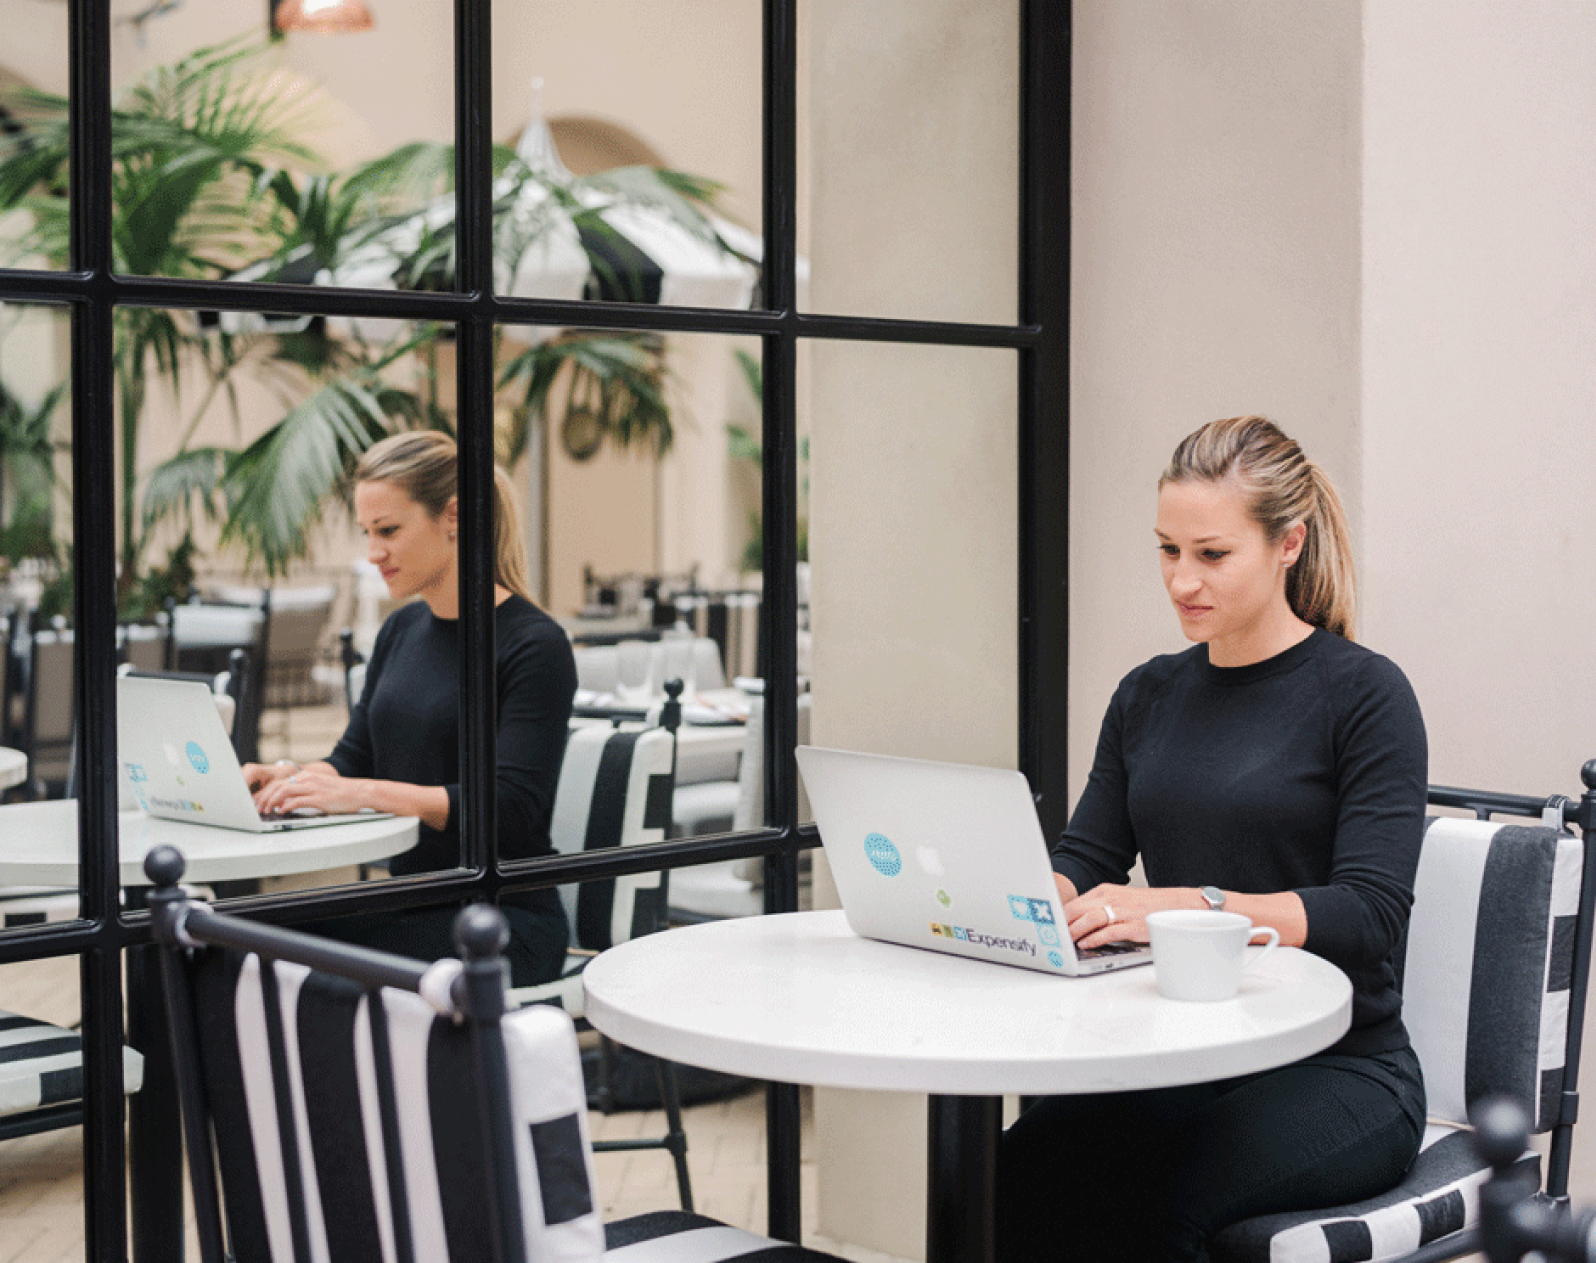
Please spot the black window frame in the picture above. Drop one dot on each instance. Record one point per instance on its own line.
(93, 293)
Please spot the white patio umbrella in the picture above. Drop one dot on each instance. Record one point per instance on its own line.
(556, 236)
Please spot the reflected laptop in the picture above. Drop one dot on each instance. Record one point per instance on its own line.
(177, 762)
(946, 857)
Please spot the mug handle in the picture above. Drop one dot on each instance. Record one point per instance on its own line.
(1274, 942)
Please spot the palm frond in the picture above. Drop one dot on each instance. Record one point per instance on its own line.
(276, 486)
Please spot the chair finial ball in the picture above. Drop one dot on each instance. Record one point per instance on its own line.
(673, 688)
(1501, 1128)
(164, 865)
(481, 930)
(1588, 774)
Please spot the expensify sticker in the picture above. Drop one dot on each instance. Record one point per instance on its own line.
(964, 935)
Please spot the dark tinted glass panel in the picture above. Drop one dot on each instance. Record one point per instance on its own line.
(33, 131)
(909, 171)
(623, 112)
(361, 123)
(912, 528)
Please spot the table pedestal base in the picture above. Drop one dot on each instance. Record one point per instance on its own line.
(962, 1155)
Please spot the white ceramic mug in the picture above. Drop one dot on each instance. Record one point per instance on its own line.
(1198, 954)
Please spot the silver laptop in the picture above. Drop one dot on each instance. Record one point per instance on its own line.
(177, 762)
(946, 857)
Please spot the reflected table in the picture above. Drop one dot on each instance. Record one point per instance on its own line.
(39, 846)
(799, 998)
(13, 767)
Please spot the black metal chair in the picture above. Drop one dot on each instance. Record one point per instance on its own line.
(1495, 972)
(343, 1103)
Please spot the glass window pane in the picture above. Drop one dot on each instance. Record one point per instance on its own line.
(639, 459)
(913, 549)
(236, 535)
(908, 204)
(363, 124)
(593, 98)
(33, 137)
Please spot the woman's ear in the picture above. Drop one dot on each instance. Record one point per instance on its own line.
(1291, 545)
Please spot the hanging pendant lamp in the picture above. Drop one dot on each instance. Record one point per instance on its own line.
(326, 17)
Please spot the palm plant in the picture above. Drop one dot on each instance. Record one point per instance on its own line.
(211, 180)
(197, 152)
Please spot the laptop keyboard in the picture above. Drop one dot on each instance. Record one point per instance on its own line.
(1109, 949)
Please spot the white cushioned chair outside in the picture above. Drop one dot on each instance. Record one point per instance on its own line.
(1487, 980)
(379, 1108)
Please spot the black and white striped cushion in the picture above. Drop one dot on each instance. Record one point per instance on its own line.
(614, 790)
(351, 1204)
(268, 1027)
(41, 1064)
(1486, 972)
(36, 905)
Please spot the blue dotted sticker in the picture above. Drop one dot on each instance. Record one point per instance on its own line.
(883, 856)
(1020, 907)
(1041, 911)
(197, 757)
(1055, 960)
(1047, 934)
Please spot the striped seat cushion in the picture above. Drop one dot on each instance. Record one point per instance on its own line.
(41, 1064)
(1440, 1196)
(1486, 973)
(36, 905)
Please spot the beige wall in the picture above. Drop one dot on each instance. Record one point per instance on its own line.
(1371, 222)
(913, 538)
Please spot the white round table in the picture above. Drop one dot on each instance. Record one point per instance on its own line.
(13, 767)
(38, 846)
(800, 998)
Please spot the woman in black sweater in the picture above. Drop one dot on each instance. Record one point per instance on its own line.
(401, 750)
(1275, 769)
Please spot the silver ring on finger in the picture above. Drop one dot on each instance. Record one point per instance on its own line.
(1108, 915)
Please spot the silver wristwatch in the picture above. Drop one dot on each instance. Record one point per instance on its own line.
(1213, 897)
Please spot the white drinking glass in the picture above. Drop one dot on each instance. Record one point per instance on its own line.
(635, 683)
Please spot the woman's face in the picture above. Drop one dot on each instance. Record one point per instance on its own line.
(414, 550)
(1226, 580)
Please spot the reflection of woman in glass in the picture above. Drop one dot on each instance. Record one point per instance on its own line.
(1276, 769)
(401, 750)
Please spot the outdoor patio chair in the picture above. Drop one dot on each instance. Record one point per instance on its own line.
(1494, 975)
(47, 711)
(615, 790)
(348, 1104)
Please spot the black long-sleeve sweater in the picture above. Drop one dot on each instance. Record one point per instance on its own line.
(1304, 772)
(406, 725)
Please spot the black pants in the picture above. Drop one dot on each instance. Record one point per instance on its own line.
(1154, 1175)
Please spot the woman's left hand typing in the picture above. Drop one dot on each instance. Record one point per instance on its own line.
(1118, 914)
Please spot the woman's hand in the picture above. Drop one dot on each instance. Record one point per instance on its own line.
(317, 788)
(1118, 914)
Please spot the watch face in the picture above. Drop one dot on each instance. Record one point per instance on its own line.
(1214, 897)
